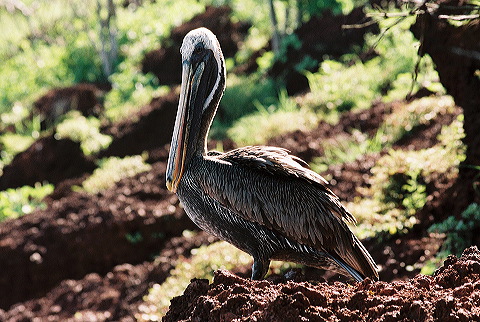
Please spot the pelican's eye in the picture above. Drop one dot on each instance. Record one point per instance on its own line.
(198, 52)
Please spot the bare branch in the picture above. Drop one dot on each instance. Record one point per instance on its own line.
(391, 14)
(459, 18)
(360, 25)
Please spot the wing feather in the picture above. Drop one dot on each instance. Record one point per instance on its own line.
(269, 186)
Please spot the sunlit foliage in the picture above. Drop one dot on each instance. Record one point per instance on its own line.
(112, 170)
(398, 183)
(270, 121)
(84, 130)
(17, 202)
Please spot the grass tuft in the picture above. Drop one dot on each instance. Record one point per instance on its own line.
(21, 201)
(84, 130)
(112, 170)
(271, 121)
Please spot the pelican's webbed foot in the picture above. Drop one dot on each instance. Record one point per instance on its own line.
(259, 268)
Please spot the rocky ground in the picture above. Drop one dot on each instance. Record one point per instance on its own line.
(451, 294)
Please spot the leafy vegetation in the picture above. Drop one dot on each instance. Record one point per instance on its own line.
(84, 130)
(140, 31)
(47, 47)
(17, 202)
(243, 96)
(459, 232)
(112, 170)
(398, 183)
(352, 84)
(271, 121)
(339, 86)
(459, 235)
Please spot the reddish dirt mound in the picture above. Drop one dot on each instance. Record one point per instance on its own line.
(80, 97)
(452, 294)
(348, 177)
(150, 128)
(84, 233)
(47, 159)
(401, 257)
(114, 296)
(165, 62)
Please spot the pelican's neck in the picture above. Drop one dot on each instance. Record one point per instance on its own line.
(210, 110)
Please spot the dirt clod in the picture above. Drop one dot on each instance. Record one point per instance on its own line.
(366, 301)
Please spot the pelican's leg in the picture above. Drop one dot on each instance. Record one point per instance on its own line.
(259, 268)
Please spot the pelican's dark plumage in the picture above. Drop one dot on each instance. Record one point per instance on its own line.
(260, 199)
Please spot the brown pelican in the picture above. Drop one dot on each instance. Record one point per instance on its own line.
(260, 199)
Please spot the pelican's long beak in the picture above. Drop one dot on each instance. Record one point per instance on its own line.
(191, 76)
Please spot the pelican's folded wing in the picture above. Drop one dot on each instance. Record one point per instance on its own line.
(269, 186)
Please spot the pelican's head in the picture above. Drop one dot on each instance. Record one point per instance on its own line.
(203, 83)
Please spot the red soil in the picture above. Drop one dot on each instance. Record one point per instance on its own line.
(451, 294)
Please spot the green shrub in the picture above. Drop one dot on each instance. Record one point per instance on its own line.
(336, 86)
(28, 74)
(84, 130)
(55, 47)
(17, 202)
(15, 28)
(131, 90)
(398, 183)
(347, 148)
(458, 232)
(352, 84)
(20, 120)
(112, 170)
(258, 128)
(142, 29)
(244, 95)
(272, 121)
(83, 61)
